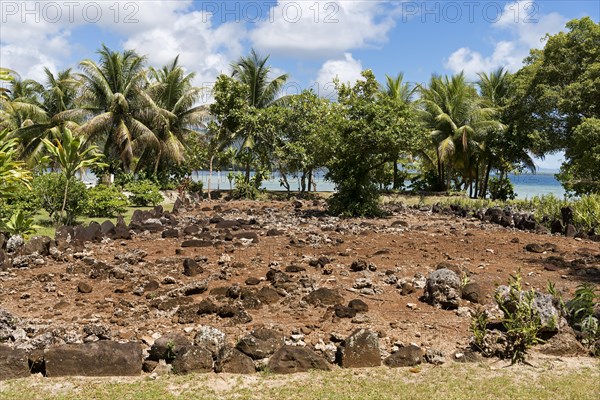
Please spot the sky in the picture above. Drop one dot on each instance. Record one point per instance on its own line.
(312, 41)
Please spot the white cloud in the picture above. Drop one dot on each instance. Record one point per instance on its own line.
(346, 70)
(522, 20)
(320, 28)
(202, 48)
(34, 35)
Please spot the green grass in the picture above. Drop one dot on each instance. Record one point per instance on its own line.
(46, 226)
(455, 381)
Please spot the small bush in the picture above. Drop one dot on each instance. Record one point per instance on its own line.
(196, 187)
(586, 212)
(144, 193)
(49, 190)
(501, 189)
(106, 201)
(18, 224)
(243, 189)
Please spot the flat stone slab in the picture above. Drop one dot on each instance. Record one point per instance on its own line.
(103, 358)
(13, 363)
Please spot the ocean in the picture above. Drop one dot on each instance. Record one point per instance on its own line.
(526, 185)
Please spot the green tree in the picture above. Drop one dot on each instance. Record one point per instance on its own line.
(557, 89)
(368, 128)
(171, 89)
(69, 154)
(12, 171)
(115, 98)
(458, 120)
(260, 92)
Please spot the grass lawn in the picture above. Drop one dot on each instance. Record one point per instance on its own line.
(453, 381)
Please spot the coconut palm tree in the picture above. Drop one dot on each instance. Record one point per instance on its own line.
(457, 118)
(58, 97)
(501, 150)
(172, 91)
(262, 92)
(114, 100)
(19, 103)
(401, 92)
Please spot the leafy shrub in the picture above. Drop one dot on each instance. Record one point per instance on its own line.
(196, 187)
(23, 198)
(106, 201)
(144, 193)
(521, 320)
(583, 317)
(501, 189)
(243, 189)
(547, 208)
(586, 212)
(18, 224)
(49, 190)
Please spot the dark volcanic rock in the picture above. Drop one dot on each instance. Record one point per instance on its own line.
(324, 297)
(252, 281)
(408, 356)
(168, 346)
(247, 235)
(191, 267)
(196, 243)
(261, 343)
(359, 305)
(39, 245)
(84, 287)
(292, 359)
(170, 233)
(193, 359)
(13, 363)
(267, 295)
(358, 265)
(342, 311)
(103, 358)
(361, 349)
(472, 292)
(233, 361)
(107, 228)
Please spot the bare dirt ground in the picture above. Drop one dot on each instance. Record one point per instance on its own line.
(137, 302)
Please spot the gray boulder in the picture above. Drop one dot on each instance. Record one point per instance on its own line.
(443, 289)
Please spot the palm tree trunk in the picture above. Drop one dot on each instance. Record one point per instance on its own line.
(395, 184)
(247, 179)
(210, 167)
(64, 204)
(486, 180)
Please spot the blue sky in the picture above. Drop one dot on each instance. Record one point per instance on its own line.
(311, 40)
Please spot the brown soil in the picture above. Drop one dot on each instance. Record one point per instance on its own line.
(488, 255)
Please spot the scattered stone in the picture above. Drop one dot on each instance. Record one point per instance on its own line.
(211, 339)
(13, 363)
(342, 311)
(358, 305)
(196, 243)
(233, 361)
(260, 343)
(292, 359)
(191, 267)
(168, 346)
(358, 265)
(252, 281)
(408, 356)
(39, 245)
(472, 292)
(324, 297)
(443, 289)
(435, 357)
(193, 359)
(103, 358)
(360, 349)
(84, 287)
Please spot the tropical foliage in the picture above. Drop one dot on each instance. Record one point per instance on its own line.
(449, 134)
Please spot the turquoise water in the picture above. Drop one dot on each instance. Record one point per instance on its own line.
(526, 185)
